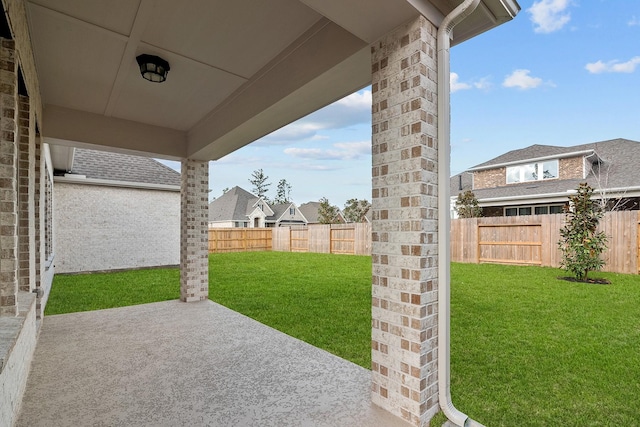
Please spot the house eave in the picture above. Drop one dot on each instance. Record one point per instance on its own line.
(584, 153)
(81, 179)
(563, 197)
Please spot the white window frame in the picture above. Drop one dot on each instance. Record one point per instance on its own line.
(532, 207)
(522, 169)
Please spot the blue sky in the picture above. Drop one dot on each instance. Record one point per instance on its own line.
(564, 72)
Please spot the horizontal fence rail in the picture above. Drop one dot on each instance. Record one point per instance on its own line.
(353, 239)
(533, 240)
(239, 239)
(523, 240)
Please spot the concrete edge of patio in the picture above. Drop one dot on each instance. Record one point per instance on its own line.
(172, 363)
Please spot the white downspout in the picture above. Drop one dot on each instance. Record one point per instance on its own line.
(444, 220)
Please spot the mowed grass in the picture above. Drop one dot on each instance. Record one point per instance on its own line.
(95, 291)
(527, 349)
(322, 299)
(531, 350)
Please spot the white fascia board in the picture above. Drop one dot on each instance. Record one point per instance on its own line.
(558, 197)
(535, 159)
(81, 179)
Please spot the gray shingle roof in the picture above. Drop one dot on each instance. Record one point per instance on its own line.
(122, 167)
(620, 157)
(310, 211)
(234, 205)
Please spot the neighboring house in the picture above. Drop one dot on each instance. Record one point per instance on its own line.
(311, 210)
(239, 208)
(114, 211)
(538, 179)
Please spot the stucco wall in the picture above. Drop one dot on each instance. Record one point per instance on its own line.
(105, 228)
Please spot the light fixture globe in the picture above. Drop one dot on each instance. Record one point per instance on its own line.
(153, 68)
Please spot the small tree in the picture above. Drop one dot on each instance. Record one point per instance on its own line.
(283, 193)
(259, 182)
(581, 243)
(327, 213)
(467, 205)
(355, 210)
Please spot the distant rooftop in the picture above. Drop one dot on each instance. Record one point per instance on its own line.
(122, 167)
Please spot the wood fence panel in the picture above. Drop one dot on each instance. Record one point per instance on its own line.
(281, 239)
(363, 238)
(342, 240)
(320, 238)
(533, 239)
(299, 240)
(239, 239)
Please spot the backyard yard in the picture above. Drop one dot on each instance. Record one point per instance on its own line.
(527, 349)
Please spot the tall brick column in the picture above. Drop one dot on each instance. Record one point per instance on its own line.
(8, 180)
(405, 273)
(194, 237)
(26, 240)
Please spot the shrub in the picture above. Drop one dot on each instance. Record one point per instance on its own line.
(580, 242)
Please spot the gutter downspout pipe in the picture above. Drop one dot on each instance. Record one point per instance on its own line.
(444, 220)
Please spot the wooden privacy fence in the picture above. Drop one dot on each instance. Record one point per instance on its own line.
(239, 239)
(354, 239)
(533, 240)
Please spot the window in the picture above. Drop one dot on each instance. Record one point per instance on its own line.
(528, 210)
(542, 210)
(532, 172)
(292, 211)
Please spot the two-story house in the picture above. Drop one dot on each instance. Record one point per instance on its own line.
(538, 179)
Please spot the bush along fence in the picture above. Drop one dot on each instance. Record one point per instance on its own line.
(533, 240)
(353, 239)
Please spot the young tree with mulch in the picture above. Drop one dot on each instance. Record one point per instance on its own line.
(580, 242)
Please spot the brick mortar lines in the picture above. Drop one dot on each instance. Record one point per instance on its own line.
(404, 325)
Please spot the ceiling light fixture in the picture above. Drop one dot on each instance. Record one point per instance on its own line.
(153, 68)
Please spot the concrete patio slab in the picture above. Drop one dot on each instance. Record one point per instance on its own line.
(189, 364)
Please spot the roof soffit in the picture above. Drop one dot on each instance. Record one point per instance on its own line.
(239, 70)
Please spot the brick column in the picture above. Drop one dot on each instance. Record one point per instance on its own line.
(25, 201)
(38, 220)
(8, 181)
(405, 262)
(194, 234)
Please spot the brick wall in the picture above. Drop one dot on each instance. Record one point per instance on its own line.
(404, 227)
(104, 228)
(571, 168)
(489, 178)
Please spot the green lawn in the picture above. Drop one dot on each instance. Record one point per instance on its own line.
(527, 349)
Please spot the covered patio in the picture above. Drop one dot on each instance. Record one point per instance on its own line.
(194, 81)
(199, 364)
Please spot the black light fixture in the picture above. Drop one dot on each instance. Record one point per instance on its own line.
(153, 68)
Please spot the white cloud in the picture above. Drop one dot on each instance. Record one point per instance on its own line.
(341, 151)
(633, 21)
(351, 110)
(614, 66)
(522, 80)
(482, 84)
(549, 15)
(456, 85)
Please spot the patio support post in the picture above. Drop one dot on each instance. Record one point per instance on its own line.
(26, 182)
(194, 238)
(8, 180)
(404, 235)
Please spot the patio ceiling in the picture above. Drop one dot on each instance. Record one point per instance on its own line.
(239, 69)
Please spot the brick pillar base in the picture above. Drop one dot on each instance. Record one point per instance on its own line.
(404, 334)
(194, 237)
